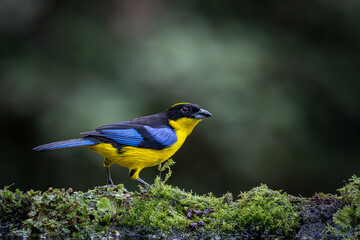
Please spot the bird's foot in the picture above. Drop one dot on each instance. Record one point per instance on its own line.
(109, 185)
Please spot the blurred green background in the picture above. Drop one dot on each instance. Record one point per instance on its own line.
(281, 79)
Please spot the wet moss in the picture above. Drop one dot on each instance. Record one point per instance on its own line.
(57, 211)
(169, 212)
(347, 219)
(258, 213)
(163, 211)
(14, 207)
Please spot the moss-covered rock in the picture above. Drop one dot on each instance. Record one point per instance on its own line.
(169, 212)
(317, 215)
(347, 219)
(57, 211)
(162, 211)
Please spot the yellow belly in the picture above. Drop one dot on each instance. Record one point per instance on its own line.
(134, 157)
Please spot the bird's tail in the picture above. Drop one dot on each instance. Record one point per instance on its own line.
(65, 144)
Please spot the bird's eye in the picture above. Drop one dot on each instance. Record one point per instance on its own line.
(185, 109)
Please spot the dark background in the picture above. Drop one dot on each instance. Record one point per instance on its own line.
(281, 79)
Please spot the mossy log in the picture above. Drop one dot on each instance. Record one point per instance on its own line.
(168, 212)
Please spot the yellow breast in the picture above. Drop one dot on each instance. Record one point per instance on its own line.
(135, 157)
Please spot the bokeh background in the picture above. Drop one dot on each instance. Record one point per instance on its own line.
(281, 79)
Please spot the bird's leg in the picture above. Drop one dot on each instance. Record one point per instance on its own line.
(143, 182)
(134, 174)
(108, 177)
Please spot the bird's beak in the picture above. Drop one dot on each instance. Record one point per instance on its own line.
(201, 114)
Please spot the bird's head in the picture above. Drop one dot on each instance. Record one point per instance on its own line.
(187, 110)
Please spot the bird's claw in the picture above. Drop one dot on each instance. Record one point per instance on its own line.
(111, 185)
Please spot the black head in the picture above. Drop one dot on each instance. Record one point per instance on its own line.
(187, 110)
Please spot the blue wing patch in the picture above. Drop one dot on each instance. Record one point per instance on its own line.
(129, 137)
(165, 136)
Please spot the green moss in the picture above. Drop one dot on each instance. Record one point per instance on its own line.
(58, 211)
(268, 211)
(165, 212)
(161, 211)
(348, 218)
(257, 213)
(162, 208)
(13, 209)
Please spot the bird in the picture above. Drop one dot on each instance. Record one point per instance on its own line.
(141, 142)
